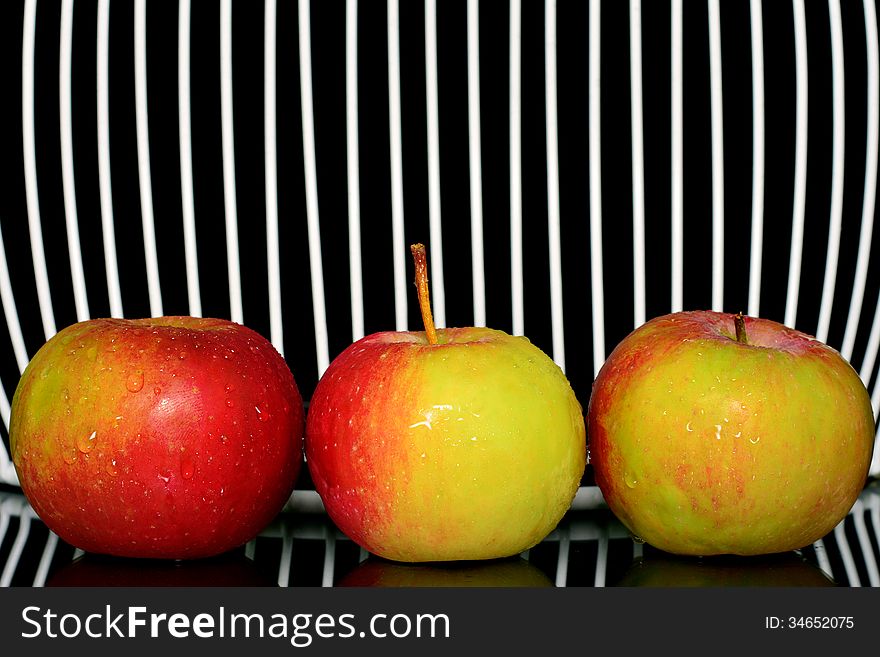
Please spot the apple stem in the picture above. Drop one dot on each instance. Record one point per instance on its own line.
(740, 325)
(421, 261)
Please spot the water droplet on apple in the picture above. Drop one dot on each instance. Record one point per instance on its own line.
(111, 468)
(637, 539)
(135, 381)
(262, 414)
(223, 438)
(230, 403)
(630, 479)
(182, 355)
(44, 374)
(187, 468)
(86, 444)
(755, 440)
(229, 387)
(69, 455)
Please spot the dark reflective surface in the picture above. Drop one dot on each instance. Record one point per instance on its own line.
(513, 572)
(98, 570)
(666, 570)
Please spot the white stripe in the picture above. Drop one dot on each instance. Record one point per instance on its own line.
(315, 267)
(800, 163)
(104, 185)
(354, 195)
(717, 112)
(475, 157)
(871, 349)
(286, 555)
(516, 248)
(329, 570)
(553, 186)
(5, 413)
(67, 176)
(601, 558)
(858, 513)
(143, 148)
(870, 193)
(849, 564)
(46, 560)
(875, 396)
(12, 559)
(7, 298)
(838, 118)
(756, 255)
(399, 255)
(41, 276)
(677, 160)
(184, 108)
(438, 295)
(563, 556)
(228, 146)
(270, 36)
(638, 160)
(598, 296)
(824, 562)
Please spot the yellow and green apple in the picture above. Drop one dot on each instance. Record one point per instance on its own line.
(445, 444)
(713, 433)
(171, 437)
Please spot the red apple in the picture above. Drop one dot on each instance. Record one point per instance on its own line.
(449, 444)
(174, 437)
(711, 433)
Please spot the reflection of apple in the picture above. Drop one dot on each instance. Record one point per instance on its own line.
(464, 444)
(172, 437)
(666, 570)
(714, 434)
(512, 572)
(226, 570)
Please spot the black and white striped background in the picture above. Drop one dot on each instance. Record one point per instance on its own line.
(575, 167)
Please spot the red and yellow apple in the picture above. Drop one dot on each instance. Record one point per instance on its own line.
(446, 444)
(173, 437)
(711, 433)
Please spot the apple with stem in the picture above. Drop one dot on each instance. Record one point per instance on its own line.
(171, 437)
(444, 444)
(712, 433)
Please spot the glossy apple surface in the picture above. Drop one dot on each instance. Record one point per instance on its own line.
(173, 437)
(702, 444)
(471, 448)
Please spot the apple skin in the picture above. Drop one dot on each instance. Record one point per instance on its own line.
(472, 448)
(143, 438)
(703, 445)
